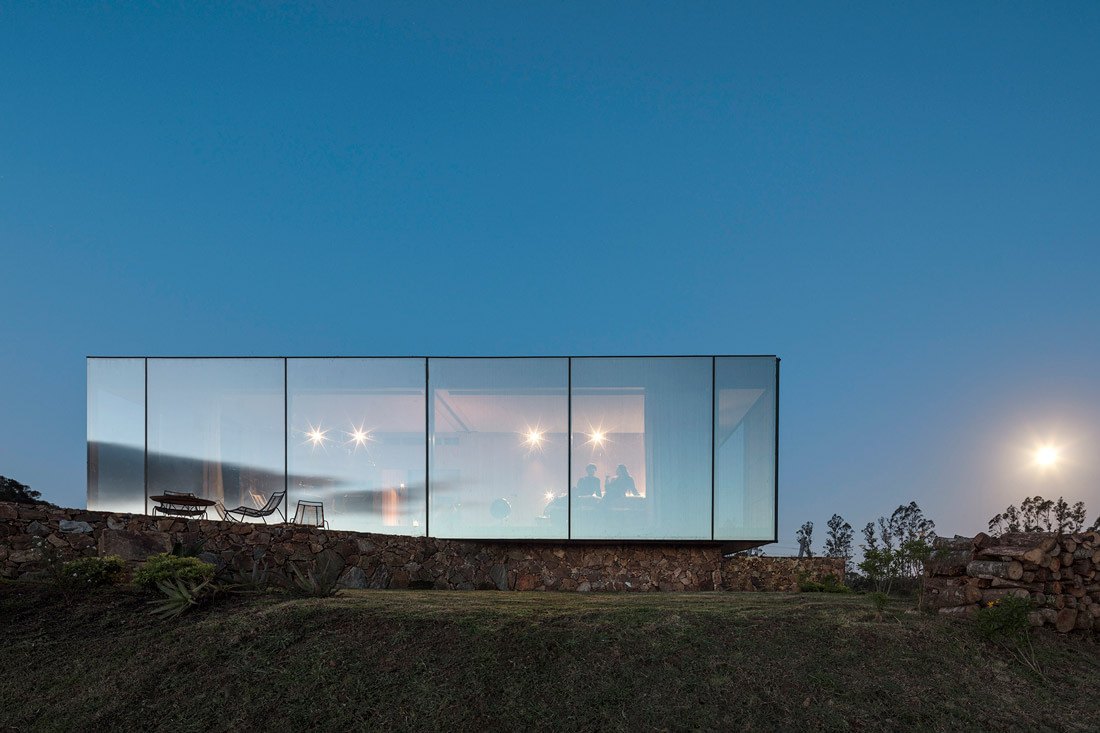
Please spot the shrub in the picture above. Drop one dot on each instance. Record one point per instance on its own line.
(1006, 622)
(193, 550)
(878, 600)
(238, 577)
(828, 584)
(92, 572)
(321, 580)
(165, 567)
(180, 596)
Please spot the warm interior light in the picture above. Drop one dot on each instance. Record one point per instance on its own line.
(597, 437)
(316, 435)
(534, 437)
(549, 495)
(359, 437)
(1046, 456)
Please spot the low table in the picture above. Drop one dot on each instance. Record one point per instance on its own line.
(174, 504)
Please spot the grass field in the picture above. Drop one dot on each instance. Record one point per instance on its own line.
(429, 660)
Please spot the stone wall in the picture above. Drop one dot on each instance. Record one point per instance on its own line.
(387, 561)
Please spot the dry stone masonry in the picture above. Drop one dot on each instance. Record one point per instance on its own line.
(387, 561)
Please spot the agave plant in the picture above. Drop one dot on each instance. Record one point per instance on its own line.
(321, 580)
(180, 596)
(193, 550)
(256, 579)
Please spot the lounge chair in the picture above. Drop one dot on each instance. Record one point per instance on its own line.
(273, 504)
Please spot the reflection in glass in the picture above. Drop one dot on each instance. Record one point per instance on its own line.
(498, 432)
(357, 441)
(116, 435)
(744, 448)
(641, 448)
(216, 428)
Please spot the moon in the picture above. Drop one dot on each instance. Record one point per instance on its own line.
(1046, 456)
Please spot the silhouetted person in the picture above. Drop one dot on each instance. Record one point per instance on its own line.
(588, 484)
(620, 487)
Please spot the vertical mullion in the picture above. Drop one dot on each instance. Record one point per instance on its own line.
(286, 444)
(775, 514)
(427, 450)
(569, 451)
(145, 468)
(713, 430)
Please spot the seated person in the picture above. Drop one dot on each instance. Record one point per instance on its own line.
(588, 485)
(618, 488)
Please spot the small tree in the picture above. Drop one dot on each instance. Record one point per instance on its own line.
(838, 542)
(1037, 514)
(1068, 519)
(12, 490)
(805, 537)
(880, 566)
(870, 542)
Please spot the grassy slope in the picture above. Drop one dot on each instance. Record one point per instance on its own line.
(506, 661)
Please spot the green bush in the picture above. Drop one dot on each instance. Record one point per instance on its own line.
(1006, 622)
(878, 601)
(92, 572)
(165, 568)
(828, 584)
(1005, 619)
(182, 596)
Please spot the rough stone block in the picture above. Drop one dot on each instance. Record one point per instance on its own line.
(72, 527)
(133, 546)
(353, 579)
(499, 575)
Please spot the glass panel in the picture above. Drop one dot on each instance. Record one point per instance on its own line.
(116, 435)
(744, 447)
(641, 448)
(498, 453)
(357, 441)
(216, 429)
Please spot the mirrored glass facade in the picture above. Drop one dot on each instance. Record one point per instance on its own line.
(216, 429)
(116, 434)
(641, 448)
(744, 448)
(356, 441)
(680, 449)
(499, 448)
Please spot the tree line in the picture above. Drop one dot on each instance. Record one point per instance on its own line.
(895, 548)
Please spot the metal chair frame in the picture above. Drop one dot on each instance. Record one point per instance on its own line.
(299, 514)
(274, 504)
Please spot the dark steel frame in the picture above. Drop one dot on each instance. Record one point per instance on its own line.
(728, 545)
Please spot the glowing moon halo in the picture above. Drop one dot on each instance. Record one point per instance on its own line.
(1046, 456)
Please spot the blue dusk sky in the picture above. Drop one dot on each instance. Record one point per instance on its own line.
(901, 200)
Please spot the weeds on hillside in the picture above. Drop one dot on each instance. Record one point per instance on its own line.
(878, 601)
(828, 584)
(1005, 622)
(320, 580)
(80, 574)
